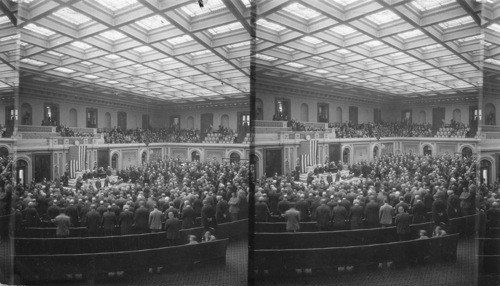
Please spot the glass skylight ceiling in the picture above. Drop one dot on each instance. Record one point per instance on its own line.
(81, 45)
(72, 16)
(180, 40)
(426, 5)
(153, 22)
(269, 25)
(39, 30)
(112, 35)
(383, 17)
(225, 28)
(115, 42)
(115, 5)
(210, 6)
(395, 49)
(301, 11)
(343, 30)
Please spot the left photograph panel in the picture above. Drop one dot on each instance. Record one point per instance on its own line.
(132, 142)
(9, 86)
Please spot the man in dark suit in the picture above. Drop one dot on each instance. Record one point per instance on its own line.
(141, 219)
(173, 226)
(419, 211)
(339, 216)
(221, 210)
(188, 216)
(303, 207)
(356, 215)
(208, 219)
(93, 221)
(126, 220)
(323, 216)
(31, 216)
(372, 214)
(403, 224)
(261, 210)
(109, 222)
(72, 212)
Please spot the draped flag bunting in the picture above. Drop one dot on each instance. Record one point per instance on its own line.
(308, 154)
(77, 157)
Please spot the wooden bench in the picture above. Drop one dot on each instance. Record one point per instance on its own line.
(49, 231)
(57, 267)
(81, 245)
(282, 261)
(456, 225)
(321, 239)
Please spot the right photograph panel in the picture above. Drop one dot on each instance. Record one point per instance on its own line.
(489, 163)
(369, 160)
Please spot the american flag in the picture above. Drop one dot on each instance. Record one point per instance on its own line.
(77, 156)
(308, 154)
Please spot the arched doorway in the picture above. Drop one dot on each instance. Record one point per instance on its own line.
(107, 120)
(190, 122)
(338, 117)
(423, 117)
(234, 157)
(73, 118)
(375, 152)
(259, 109)
(26, 114)
(224, 121)
(457, 115)
(254, 165)
(485, 169)
(427, 150)
(466, 152)
(114, 161)
(346, 155)
(490, 112)
(195, 156)
(21, 172)
(304, 112)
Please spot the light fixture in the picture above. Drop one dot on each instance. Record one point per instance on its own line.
(478, 114)
(13, 114)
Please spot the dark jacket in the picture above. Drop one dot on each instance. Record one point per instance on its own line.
(126, 221)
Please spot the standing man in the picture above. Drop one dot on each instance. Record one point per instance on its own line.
(109, 222)
(292, 217)
(62, 222)
(386, 213)
(126, 220)
(403, 224)
(173, 226)
(155, 217)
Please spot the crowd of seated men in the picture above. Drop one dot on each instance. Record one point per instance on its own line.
(7, 129)
(6, 192)
(382, 129)
(388, 186)
(490, 203)
(160, 195)
(396, 129)
(299, 126)
(68, 132)
(138, 135)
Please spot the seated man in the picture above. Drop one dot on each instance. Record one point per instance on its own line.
(208, 236)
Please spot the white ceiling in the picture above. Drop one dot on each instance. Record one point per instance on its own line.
(396, 47)
(168, 50)
(491, 24)
(9, 54)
